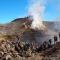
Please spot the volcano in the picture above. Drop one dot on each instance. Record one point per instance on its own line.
(22, 26)
(19, 33)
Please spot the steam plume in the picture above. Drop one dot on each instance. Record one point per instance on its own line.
(36, 9)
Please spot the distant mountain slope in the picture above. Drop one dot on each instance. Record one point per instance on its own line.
(18, 24)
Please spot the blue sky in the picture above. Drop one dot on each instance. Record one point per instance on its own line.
(11, 9)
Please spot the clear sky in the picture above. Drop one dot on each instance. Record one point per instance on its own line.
(11, 9)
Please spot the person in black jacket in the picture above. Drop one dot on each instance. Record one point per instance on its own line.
(55, 39)
(50, 43)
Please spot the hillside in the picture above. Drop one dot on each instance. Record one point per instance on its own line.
(19, 41)
(18, 24)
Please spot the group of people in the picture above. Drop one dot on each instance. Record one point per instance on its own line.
(20, 47)
(48, 44)
(44, 46)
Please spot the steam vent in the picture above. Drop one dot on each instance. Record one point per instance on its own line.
(22, 39)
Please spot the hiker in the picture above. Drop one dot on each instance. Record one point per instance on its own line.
(44, 46)
(55, 39)
(59, 34)
(26, 46)
(38, 49)
(49, 43)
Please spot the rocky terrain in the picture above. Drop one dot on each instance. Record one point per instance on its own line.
(19, 42)
(18, 50)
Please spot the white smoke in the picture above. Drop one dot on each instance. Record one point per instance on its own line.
(57, 25)
(36, 10)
